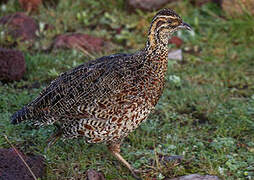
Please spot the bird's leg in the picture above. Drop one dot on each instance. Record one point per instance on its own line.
(114, 148)
(52, 140)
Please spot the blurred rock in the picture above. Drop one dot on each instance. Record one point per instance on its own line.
(79, 41)
(196, 177)
(12, 64)
(147, 5)
(176, 55)
(202, 2)
(94, 175)
(176, 40)
(30, 5)
(237, 7)
(12, 167)
(20, 26)
(3, 1)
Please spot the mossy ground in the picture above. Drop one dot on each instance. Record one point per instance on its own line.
(205, 114)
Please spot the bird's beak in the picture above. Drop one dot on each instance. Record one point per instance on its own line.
(185, 26)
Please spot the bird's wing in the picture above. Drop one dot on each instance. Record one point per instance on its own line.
(81, 86)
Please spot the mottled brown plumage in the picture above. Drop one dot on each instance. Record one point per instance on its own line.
(107, 98)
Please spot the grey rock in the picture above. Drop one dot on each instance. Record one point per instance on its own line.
(176, 55)
(196, 177)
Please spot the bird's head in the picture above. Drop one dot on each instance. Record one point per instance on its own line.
(163, 25)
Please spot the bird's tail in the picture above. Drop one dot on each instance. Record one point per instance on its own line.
(21, 115)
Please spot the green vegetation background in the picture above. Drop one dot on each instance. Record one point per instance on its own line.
(205, 114)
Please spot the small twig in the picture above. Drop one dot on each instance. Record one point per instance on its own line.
(20, 157)
(215, 15)
(157, 159)
(79, 47)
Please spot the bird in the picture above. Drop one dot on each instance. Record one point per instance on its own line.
(104, 100)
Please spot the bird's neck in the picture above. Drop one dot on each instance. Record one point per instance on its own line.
(155, 65)
(157, 43)
(157, 51)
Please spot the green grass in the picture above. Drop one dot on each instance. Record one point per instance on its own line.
(205, 114)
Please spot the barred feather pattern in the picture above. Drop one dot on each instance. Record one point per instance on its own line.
(107, 98)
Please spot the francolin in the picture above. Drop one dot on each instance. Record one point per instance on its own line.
(104, 100)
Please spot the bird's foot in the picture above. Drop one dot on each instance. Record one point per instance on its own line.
(115, 150)
(52, 140)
